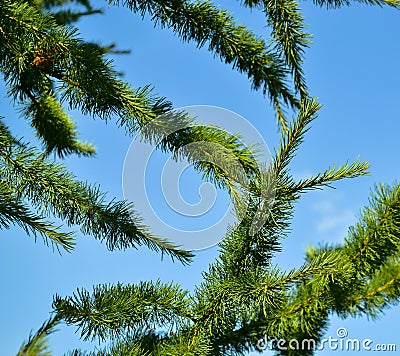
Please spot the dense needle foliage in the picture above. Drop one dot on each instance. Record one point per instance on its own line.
(47, 69)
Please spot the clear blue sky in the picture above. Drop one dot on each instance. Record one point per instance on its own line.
(351, 67)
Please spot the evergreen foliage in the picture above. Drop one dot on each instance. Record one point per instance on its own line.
(244, 296)
(38, 343)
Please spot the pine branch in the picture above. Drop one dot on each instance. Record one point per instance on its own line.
(339, 3)
(364, 283)
(52, 190)
(294, 136)
(184, 344)
(289, 35)
(13, 211)
(326, 178)
(63, 15)
(90, 84)
(224, 296)
(375, 237)
(242, 297)
(204, 23)
(242, 252)
(321, 266)
(373, 278)
(142, 342)
(242, 247)
(256, 289)
(259, 303)
(55, 127)
(37, 344)
(380, 291)
(67, 17)
(114, 311)
(145, 342)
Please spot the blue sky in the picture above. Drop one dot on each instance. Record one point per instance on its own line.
(351, 67)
